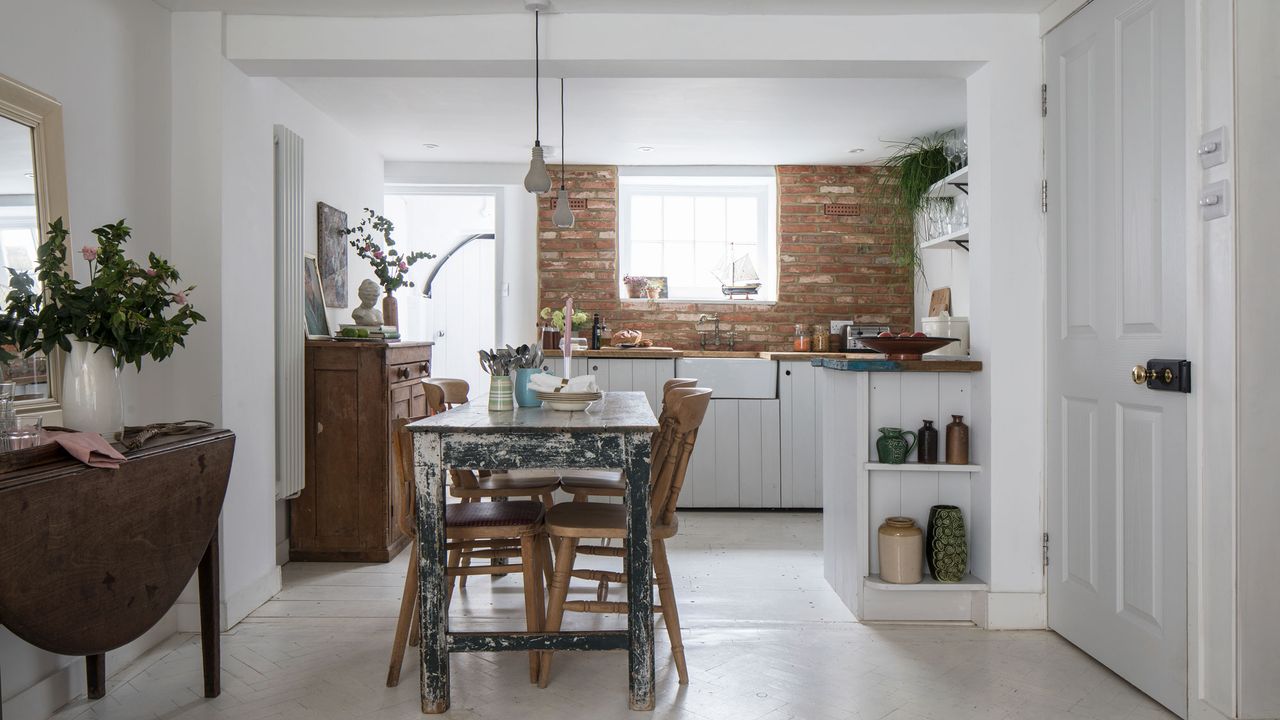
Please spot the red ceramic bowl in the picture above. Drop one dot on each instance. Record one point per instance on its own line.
(906, 348)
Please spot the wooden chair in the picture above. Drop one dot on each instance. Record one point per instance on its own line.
(583, 484)
(512, 529)
(570, 523)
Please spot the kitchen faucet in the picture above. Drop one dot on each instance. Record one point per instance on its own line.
(703, 319)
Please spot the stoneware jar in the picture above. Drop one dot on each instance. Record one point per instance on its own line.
(893, 446)
(946, 547)
(927, 444)
(525, 396)
(901, 551)
(957, 441)
(500, 394)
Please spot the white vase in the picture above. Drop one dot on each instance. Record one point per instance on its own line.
(91, 399)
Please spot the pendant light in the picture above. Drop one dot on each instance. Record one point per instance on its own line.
(563, 216)
(537, 181)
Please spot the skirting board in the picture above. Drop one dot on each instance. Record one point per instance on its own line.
(238, 606)
(67, 683)
(1200, 710)
(1010, 611)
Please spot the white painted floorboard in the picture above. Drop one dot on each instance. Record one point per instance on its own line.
(765, 637)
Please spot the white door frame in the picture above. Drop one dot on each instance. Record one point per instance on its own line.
(1211, 469)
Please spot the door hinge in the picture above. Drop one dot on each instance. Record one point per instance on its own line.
(1045, 548)
(1044, 196)
(1044, 100)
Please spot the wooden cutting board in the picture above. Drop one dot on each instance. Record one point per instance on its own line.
(940, 300)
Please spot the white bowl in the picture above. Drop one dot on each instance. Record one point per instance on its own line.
(567, 405)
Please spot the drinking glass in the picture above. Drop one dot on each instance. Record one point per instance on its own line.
(24, 432)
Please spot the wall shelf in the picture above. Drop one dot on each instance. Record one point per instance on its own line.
(958, 240)
(953, 185)
(917, 467)
(967, 584)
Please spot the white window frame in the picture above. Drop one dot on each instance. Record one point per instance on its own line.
(760, 183)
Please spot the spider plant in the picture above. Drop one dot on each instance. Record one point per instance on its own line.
(900, 191)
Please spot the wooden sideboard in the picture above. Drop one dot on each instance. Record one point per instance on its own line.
(354, 390)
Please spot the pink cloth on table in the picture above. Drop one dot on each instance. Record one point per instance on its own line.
(89, 448)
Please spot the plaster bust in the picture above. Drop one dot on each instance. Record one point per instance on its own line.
(367, 314)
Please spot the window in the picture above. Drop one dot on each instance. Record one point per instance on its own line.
(690, 227)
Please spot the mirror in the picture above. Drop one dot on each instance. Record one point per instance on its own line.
(19, 238)
(33, 193)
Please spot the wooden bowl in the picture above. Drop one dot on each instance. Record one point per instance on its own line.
(906, 348)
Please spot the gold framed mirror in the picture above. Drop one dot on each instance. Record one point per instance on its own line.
(33, 193)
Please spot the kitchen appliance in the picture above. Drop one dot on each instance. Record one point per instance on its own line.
(852, 336)
(946, 326)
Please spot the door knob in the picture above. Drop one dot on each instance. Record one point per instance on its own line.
(1141, 375)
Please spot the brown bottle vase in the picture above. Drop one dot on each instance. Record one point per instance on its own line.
(957, 441)
(927, 444)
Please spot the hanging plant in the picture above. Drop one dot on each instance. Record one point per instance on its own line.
(900, 191)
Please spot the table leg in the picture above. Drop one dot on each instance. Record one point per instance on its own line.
(210, 640)
(640, 571)
(429, 480)
(95, 668)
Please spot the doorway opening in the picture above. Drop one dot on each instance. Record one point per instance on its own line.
(460, 316)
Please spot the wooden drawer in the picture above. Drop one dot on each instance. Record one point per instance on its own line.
(408, 372)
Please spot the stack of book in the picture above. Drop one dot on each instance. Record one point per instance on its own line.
(388, 333)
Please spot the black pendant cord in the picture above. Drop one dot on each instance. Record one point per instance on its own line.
(537, 77)
(562, 133)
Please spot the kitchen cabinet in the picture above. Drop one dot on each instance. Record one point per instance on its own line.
(615, 375)
(800, 410)
(735, 462)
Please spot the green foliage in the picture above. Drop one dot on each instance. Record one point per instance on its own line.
(389, 265)
(581, 321)
(123, 308)
(900, 191)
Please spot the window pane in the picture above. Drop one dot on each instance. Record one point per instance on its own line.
(710, 220)
(646, 259)
(679, 264)
(677, 219)
(709, 258)
(742, 226)
(646, 218)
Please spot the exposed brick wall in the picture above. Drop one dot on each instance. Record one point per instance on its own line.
(831, 267)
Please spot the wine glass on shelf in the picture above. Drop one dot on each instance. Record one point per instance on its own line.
(962, 147)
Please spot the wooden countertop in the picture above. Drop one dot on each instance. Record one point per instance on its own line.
(856, 362)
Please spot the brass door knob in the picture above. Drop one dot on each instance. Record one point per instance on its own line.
(1141, 375)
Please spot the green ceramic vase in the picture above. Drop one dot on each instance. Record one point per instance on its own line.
(893, 446)
(946, 547)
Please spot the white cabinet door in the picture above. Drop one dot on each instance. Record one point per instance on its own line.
(735, 462)
(647, 376)
(797, 393)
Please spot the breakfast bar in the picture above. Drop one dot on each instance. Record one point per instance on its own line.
(616, 432)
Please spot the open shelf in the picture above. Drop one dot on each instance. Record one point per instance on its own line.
(918, 467)
(953, 185)
(958, 240)
(967, 584)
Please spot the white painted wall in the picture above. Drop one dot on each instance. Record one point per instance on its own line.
(517, 224)
(107, 62)
(1258, 261)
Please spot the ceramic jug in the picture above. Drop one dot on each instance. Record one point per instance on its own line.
(892, 446)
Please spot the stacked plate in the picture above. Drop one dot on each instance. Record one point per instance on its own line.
(568, 401)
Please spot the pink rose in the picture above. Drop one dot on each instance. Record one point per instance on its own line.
(404, 266)
(89, 253)
(151, 272)
(180, 298)
(377, 254)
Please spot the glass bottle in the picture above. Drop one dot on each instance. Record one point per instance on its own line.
(820, 338)
(800, 341)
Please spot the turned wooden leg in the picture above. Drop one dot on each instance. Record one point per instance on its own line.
(95, 667)
(210, 619)
(533, 607)
(565, 552)
(408, 601)
(670, 616)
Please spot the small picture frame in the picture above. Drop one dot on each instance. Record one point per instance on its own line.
(313, 300)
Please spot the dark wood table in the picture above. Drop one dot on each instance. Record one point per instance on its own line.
(614, 432)
(91, 558)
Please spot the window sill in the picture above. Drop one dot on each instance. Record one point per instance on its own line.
(693, 301)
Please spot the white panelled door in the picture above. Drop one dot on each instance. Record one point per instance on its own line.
(1117, 465)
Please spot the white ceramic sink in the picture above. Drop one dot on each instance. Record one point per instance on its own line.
(732, 377)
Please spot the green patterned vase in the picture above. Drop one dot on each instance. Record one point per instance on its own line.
(946, 547)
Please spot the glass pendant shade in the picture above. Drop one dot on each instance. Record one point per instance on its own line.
(563, 216)
(538, 180)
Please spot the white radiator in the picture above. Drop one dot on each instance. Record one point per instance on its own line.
(290, 324)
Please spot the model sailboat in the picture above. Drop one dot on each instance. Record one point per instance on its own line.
(737, 275)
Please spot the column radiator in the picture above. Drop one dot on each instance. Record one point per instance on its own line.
(290, 324)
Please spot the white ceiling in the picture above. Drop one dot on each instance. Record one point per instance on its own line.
(688, 121)
(414, 8)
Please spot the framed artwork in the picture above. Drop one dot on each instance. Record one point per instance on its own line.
(331, 247)
(313, 299)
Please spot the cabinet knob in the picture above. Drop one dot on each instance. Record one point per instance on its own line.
(422, 368)
(788, 373)
(595, 368)
(403, 373)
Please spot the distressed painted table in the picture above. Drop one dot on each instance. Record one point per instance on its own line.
(613, 433)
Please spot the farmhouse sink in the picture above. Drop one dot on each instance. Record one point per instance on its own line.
(732, 377)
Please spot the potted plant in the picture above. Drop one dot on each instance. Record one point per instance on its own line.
(581, 320)
(124, 313)
(901, 189)
(389, 265)
(637, 285)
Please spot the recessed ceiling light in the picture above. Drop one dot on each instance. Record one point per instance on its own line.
(645, 148)
(857, 150)
(29, 175)
(430, 146)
